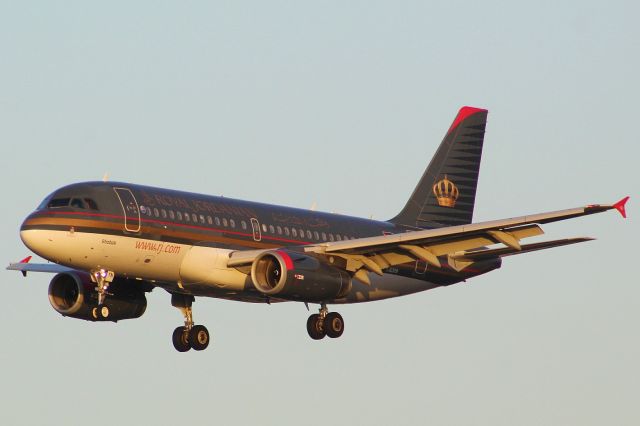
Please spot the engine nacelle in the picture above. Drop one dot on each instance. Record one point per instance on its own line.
(296, 276)
(207, 266)
(73, 295)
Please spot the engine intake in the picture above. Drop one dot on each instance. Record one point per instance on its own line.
(296, 276)
(73, 294)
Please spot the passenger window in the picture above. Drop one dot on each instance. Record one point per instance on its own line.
(194, 217)
(156, 213)
(202, 219)
(216, 220)
(286, 231)
(272, 229)
(338, 237)
(232, 223)
(279, 229)
(324, 237)
(172, 215)
(186, 217)
(294, 232)
(244, 224)
(164, 213)
(224, 221)
(264, 228)
(330, 237)
(308, 234)
(179, 215)
(316, 235)
(209, 220)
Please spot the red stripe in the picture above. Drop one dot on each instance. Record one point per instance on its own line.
(160, 222)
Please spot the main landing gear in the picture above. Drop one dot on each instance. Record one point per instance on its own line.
(189, 336)
(102, 278)
(325, 324)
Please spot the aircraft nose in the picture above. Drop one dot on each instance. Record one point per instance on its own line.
(32, 237)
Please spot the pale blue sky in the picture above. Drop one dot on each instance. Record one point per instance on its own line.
(343, 104)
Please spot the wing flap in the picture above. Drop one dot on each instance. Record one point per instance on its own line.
(477, 255)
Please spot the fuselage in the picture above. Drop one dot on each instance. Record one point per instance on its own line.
(145, 233)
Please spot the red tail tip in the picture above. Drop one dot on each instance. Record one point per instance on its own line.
(464, 112)
(620, 206)
(26, 259)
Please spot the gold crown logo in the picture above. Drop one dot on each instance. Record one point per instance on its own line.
(446, 192)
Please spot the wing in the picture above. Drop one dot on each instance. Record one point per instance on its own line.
(24, 266)
(462, 244)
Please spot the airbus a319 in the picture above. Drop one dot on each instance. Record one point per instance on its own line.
(111, 243)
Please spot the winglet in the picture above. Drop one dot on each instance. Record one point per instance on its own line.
(620, 206)
(25, 260)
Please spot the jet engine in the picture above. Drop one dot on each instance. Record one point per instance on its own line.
(73, 295)
(296, 276)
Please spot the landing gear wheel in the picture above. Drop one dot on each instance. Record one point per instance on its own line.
(199, 337)
(315, 327)
(103, 311)
(181, 339)
(334, 325)
(100, 312)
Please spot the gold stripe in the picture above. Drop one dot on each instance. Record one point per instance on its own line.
(192, 236)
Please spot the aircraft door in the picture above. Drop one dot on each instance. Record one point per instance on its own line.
(255, 225)
(130, 209)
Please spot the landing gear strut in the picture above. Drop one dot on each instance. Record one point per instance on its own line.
(190, 335)
(102, 278)
(325, 323)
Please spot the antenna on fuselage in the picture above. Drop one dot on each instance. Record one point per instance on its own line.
(105, 177)
(314, 206)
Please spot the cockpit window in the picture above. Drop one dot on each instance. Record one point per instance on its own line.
(77, 202)
(91, 204)
(45, 202)
(58, 202)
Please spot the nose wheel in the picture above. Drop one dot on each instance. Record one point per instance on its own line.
(101, 312)
(190, 335)
(325, 323)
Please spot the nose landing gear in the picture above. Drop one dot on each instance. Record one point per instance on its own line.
(325, 323)
(103, 279)
(189, 336)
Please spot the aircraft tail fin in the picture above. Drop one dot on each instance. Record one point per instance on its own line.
(446, 193)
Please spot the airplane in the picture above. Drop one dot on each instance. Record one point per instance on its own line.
(110, 243)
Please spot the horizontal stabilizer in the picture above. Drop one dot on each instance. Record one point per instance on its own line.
(477, 255)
